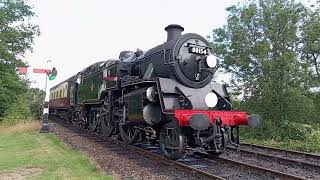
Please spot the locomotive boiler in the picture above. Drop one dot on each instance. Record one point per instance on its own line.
(164, 95)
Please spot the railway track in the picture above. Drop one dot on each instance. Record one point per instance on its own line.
(204, 163)
(304, 158)
(301, 164)
(246, 166)
(144, 151)
(201, 164)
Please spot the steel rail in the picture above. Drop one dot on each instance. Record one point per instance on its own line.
(276, 157)
(255, 168)
(291, 152)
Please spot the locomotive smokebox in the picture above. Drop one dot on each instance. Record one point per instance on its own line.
(173, 31)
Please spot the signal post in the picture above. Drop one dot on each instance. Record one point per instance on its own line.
(51, 74)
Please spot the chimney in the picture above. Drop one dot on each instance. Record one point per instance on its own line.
(173, 31)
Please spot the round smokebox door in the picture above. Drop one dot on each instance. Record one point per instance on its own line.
(192, 59)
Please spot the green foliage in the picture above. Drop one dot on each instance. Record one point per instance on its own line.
(316, 100)
(25, 107)
(11, 86)
(16, 37)
(267, 47)
(36, 98)
(18, 111)
(311, 43)
(310, 142)
(16, 32)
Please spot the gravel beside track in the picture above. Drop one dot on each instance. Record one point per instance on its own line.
(120, 162)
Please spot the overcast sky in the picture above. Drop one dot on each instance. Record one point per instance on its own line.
(77, 33)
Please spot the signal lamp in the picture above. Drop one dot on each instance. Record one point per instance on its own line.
(53, 74)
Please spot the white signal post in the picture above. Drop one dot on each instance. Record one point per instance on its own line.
(45, 115)
(27, 70)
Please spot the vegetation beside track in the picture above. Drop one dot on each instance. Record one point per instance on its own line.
(271, 49)
(28, 154)
(18, 101)
(309, 142)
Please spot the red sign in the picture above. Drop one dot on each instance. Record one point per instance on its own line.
(43, 71)
(25, 70)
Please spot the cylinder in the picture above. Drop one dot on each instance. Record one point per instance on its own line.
(152, 113)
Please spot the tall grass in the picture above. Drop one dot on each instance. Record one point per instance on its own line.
(22, 126)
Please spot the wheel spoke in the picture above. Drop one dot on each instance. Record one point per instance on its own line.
(128, 134)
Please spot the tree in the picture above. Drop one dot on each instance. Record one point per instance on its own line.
(35, 99)
(259, 46)
(16, 37)
(311, 42)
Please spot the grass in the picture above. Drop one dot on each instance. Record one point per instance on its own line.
(27, 153)
(24, 126)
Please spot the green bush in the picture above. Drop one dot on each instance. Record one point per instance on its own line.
(36, 97)
(294, 136)
(17, 112)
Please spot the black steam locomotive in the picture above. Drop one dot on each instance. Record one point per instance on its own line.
(164, 95)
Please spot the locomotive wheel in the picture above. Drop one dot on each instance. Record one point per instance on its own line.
(171, 142)
(82, 121)
(128, 134)
(107, 127)
(70, 117)
(93, 121)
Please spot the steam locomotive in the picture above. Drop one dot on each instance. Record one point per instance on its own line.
(164, 95)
